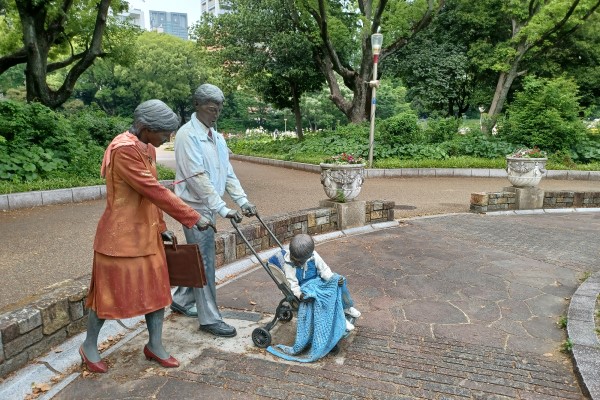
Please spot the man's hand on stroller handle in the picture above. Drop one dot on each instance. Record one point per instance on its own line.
(248, 209)
(234, 215)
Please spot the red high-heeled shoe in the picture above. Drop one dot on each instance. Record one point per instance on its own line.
(99, 366)
(170, 362)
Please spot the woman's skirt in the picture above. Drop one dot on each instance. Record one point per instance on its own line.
(125, 287)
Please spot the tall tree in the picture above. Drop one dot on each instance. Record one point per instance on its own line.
(535, 26)
(54, 35)
(158, 65)
(260, 47)
(343, 34)
(339, 33)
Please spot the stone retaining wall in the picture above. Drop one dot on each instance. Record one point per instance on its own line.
(37, 324)
(506, 200)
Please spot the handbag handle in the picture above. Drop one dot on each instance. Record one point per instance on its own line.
(174, 242)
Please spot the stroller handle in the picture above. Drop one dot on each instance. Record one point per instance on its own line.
(262, 263)
(235, 226)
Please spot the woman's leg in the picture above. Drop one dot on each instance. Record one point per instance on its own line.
(90, 344)
(154, 321)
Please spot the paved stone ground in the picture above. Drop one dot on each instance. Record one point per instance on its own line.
(457, 306)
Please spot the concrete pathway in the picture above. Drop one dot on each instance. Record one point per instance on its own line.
(454, 307)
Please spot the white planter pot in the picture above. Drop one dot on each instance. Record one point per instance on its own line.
(525, 172)
(342, 182)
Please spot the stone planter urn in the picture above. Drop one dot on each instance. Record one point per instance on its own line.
(525, 172)
(342, 182)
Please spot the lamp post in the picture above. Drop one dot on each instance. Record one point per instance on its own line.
(376, 42)
(285, 125)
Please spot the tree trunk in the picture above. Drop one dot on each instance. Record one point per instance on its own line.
(38, 37)
(297, 113)
(506, 79)
(356, 79)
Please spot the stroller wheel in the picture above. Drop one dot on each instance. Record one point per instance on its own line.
(286, 315)
(261, 338)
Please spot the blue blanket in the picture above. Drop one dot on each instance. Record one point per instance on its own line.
(321, 323)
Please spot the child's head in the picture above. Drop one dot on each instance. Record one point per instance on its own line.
(301, 248)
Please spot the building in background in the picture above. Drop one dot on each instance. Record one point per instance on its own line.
(173, 23)
(135, 16)
(214, 7)
(173, 16)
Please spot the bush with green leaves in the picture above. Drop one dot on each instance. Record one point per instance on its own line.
(401, 129)
(27, 163)
(97, 125)
(477, 144)
(586, 150)
(40, 143)
(439, 130)
(544, 114)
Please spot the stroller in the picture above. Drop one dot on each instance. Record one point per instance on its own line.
(261, 336)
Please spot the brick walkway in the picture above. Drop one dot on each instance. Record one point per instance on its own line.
(454, 307)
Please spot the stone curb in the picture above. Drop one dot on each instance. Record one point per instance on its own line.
(581, 329)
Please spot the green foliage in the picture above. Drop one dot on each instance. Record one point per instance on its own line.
(401, 129)
(442, 129)
(40, 143)
(545, 114)
(562, 322)
(165, 173)
(477, 144)
(585, 150)
(17, 163)
(98, 126)
(567, 346)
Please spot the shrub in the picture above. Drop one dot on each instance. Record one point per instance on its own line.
(98, 126)
(477, 144)
(442, 129)
(545, 114)
(40, 143)
(401, 129)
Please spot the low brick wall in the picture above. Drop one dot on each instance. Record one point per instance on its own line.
(34, 326)
(504, 201)
(566, 199)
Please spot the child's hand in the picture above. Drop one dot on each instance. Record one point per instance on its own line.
(341, 281)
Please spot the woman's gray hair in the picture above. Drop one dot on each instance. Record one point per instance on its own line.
(155, 116)
(207, 93)
(302, 246)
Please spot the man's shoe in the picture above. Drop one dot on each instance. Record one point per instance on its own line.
(219, 329)
(188, 312)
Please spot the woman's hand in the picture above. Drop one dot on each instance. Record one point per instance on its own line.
(204, 223)
(167, 236)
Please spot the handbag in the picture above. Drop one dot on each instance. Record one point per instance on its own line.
(185, 264)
